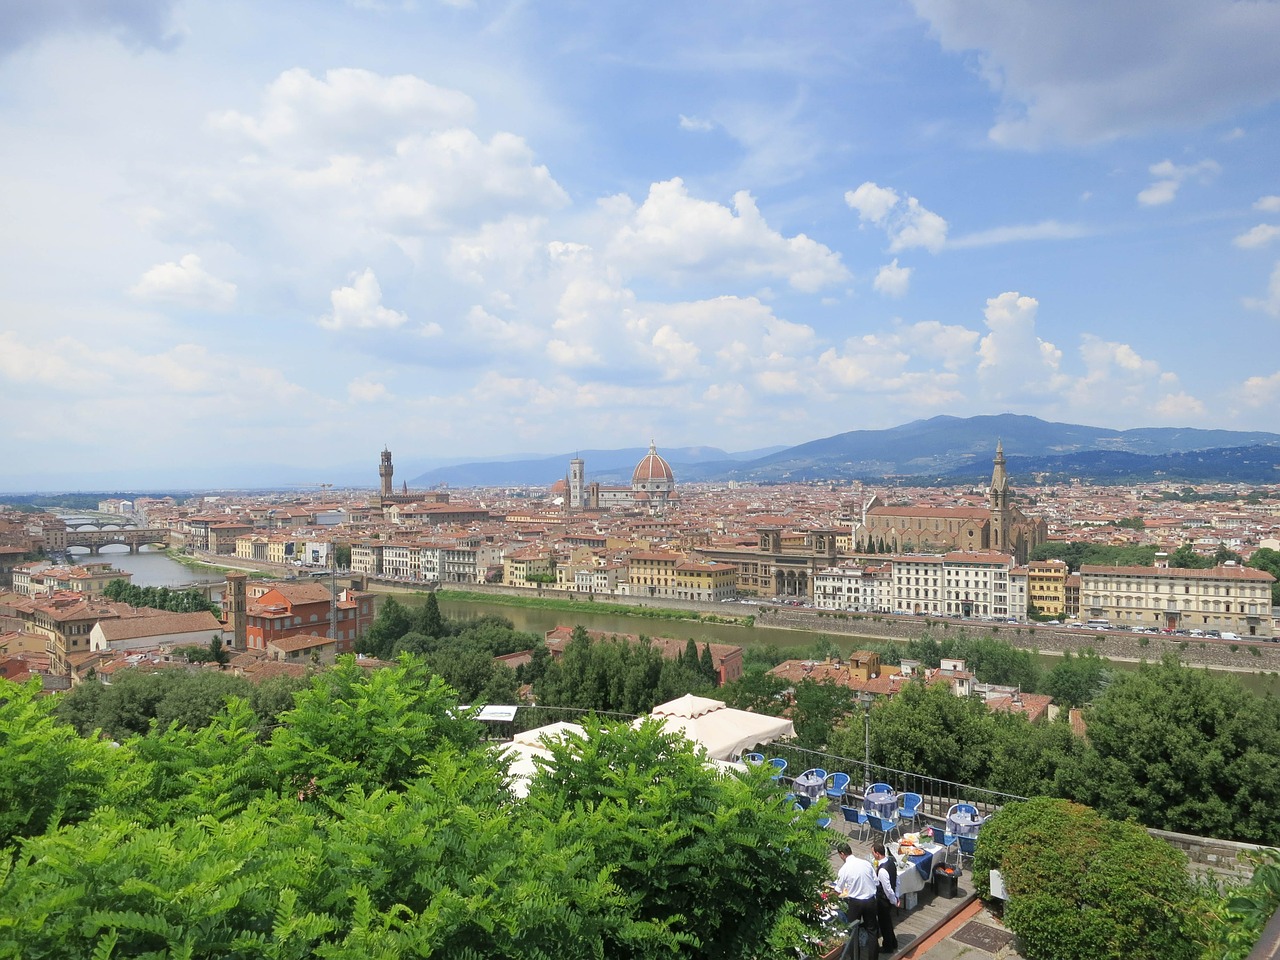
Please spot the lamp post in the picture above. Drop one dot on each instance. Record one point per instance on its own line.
(865, 698)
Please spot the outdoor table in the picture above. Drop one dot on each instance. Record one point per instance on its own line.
(881, 804)
(963, 824)
(915, 871)
(810, 784)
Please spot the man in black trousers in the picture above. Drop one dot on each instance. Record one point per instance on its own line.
(886, 896)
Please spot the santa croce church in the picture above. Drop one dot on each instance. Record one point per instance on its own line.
(999, 526)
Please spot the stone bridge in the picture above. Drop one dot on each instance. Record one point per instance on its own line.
(133, 537)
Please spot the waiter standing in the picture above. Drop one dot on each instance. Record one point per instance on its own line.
(856, 883)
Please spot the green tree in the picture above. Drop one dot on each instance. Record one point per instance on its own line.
(707, 666)
(368, 729)
(1077, 678)
(429, 620)
(1184, 750)
(651, 795)
(392, 622)
(1186, 557)
(1267, 559)
(757, 691)
(1081, 887)
(48, 774)
(816, 710)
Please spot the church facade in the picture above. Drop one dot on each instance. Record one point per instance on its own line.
(999, 526)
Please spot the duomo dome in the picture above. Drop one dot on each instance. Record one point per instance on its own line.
(652, 470)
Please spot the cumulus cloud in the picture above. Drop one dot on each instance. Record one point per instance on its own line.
(1258, 236)
(138, 23)
(906, 222)
(1170, 177)
(1268, 204)
(185, 283)
(347, 108)
(1154, 65)
(674, 233)
(1271, 302)
(893, 280)
(359, 307)
(1013, 361)
(1261, 392)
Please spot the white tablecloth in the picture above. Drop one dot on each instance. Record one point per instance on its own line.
(910, 879)
(811, 785)
(881, 804)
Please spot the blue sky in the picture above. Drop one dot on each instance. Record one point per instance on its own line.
(252, 241)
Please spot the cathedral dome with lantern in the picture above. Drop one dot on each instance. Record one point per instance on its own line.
(652, 479)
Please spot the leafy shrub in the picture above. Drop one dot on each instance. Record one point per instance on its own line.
(1081, 887)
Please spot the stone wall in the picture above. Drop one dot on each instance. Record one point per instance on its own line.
(1255, 657)
(1205, 855)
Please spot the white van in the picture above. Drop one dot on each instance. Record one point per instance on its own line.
(1225, 635)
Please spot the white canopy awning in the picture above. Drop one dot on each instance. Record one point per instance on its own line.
(525, 747)
(723, 731)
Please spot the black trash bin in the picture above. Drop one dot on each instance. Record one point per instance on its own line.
(946, 882)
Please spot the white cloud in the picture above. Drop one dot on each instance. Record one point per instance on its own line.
(185, 283)
(1062, 78)
(1019, 233)
(1271, 302)
(674, 233)
(359, 307)
(696, 124)
(1261, 391)
(1268, 204)
(365, 390)
(1258, 236)
(873, 202)
(1170, 177)
(893, 280)
(1013, 361)
(348, 109)
(905, 221)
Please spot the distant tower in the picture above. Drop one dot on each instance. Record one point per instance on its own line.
(998, 500)
(233, 608)
(577, 471)
(385, 470)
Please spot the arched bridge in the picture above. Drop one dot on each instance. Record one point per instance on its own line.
(134, 537)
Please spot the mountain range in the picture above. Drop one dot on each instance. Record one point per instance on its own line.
(940, 449)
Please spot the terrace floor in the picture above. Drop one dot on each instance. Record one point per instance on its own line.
(944, 928)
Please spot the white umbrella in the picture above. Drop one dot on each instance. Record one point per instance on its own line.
(524, 747)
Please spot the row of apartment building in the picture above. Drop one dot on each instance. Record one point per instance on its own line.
(1227, 598)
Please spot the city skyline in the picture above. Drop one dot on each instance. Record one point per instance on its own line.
(243, 238)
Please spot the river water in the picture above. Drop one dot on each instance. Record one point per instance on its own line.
(150, 567)
(539, 620)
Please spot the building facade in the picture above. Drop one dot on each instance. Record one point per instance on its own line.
(1227, 598)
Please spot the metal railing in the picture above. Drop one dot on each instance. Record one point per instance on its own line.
(938, 794)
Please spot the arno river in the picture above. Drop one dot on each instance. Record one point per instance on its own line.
(151, 568)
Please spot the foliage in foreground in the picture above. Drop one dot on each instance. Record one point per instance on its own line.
(1082, 887)
(373, 823)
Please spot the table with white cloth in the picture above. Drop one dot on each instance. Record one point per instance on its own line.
(881, 804)
(916, 870)
(809, 784)
(963, 824)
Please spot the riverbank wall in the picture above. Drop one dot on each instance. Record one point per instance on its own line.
(1255, 657)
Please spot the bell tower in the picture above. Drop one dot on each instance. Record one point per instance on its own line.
(998, 501)
(385, 470)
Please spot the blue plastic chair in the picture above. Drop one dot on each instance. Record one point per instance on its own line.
(837, 786)
(948, 840)
(886, 825)
(910, 809)
(854, 815)
(753, 758)
(967, 847)
(781, 765)
(824, 822)
(816, 771)
(879, 788)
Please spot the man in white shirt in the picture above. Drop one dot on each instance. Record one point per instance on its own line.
(856, 883)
